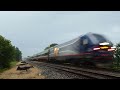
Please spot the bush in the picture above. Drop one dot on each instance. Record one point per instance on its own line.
(117, 56)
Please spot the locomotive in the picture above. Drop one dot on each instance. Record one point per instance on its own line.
(91, 48)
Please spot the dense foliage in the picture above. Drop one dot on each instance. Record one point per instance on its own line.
(117, 55)
(8, 53)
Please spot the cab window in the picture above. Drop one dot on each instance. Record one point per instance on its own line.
(85, 41)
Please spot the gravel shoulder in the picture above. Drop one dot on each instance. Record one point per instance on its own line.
(40, 71)
(51, 73)
(32, 73)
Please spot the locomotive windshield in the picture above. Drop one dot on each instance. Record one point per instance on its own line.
(97, 39)
(100, 38)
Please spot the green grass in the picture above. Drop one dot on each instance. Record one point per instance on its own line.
(2, 70)
(12, 64)
(115, 67)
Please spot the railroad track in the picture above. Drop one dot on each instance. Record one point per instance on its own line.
(88, 73)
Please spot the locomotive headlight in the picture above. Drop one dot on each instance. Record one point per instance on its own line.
(105, 43)
(96, 48)
(112, 49)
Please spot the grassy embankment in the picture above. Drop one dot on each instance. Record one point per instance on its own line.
(115, 67)
(12, 64)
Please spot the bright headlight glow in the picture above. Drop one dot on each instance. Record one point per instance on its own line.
(105, 43)
(112, 49)
(96, 48)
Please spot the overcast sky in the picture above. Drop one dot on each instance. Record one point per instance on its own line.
(32, 31)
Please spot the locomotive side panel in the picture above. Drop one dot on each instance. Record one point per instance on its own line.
(68, 50)
(65, 49)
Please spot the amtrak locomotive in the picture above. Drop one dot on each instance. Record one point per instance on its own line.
(90, 48)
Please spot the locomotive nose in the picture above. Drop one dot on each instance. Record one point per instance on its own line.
(105, 46)
(103, 50)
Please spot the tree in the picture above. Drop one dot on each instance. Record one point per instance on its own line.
(51, 45)
(117, 54)
(6, 52)
(18, 54)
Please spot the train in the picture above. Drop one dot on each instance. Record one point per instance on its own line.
(88, 49)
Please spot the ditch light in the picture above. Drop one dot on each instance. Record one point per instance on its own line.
(105, 47)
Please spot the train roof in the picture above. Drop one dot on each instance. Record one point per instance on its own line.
(73, 39)
(89, 34)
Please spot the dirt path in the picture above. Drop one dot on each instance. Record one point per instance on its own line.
(32, 73)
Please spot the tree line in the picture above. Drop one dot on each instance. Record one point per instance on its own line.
(8, 53)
